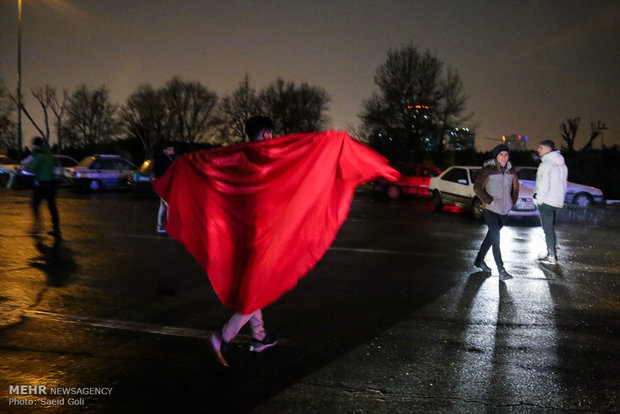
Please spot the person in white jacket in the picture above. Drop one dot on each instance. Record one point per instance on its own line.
(551, 180)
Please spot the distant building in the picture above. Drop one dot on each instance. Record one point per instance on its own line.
(515, 141)
(461, 139)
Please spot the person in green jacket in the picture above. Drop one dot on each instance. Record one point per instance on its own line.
(42, 166)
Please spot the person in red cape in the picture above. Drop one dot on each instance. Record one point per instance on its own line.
(259, 216)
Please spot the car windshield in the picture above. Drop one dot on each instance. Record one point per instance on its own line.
(407, 170)
(67, 162)
(473, 172)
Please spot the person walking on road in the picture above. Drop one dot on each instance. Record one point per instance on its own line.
(497, 187)
(162, 162)
(45, 184)
(257, 128)
(258, 216)
(551, 181)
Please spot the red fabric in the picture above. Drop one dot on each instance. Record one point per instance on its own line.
(259, 216)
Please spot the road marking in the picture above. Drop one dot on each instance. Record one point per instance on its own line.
(120, 325)
(335, 248)
(379, 251)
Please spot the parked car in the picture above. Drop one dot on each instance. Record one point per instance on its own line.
(578, 194)
(455, 186)
(99, 171)
(142, 179)
(7, 165)
(415, 179)
(63, 166)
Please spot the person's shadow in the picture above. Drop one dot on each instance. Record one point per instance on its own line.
(56, 260)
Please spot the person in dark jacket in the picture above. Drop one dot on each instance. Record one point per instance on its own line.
(45, 185)
(497, 187)
(162, 163)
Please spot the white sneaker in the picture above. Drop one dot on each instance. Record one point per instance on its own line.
(548, 260)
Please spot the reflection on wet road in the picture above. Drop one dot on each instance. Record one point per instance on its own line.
(394, 318)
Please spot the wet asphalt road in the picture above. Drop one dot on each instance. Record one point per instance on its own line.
(394, 318)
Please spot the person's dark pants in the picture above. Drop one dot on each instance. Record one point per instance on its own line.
(547, 220)
(46, 190)
(495, 222)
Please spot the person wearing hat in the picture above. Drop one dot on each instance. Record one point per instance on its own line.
(551, 181)
(497, 187)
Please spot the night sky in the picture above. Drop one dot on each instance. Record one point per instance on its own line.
(527, 66)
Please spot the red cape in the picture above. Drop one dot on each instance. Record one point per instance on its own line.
(259, 216)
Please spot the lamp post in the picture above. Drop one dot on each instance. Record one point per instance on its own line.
(19, 76)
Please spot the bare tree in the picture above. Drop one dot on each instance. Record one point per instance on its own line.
(295, 108)
(235, 109)
(44, 134)
(91, 118)
(8, 126)
(48, 99)
(191, 111)
(569, 132)
(58, 108)
(596, 129)
(145, 118)
(450, 106)
(417, 102)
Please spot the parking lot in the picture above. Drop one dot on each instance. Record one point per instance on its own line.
(394, 318)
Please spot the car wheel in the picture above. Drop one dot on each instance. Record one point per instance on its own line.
(4, 178)
(437, 200)
(94, 185)
(583, 200)
(477, 209)
(393, 192)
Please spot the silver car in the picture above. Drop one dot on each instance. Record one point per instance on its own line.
(577, 194)
(100, 171)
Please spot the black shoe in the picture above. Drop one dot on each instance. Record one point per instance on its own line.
(259, 346)
(482, 265)
(504, 275)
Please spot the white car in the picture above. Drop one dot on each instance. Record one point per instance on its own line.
(98, 171)
(578, 194)
(6, 168)
(455, 186)
(63, 166)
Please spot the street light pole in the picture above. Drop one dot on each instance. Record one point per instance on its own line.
(19, 76)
